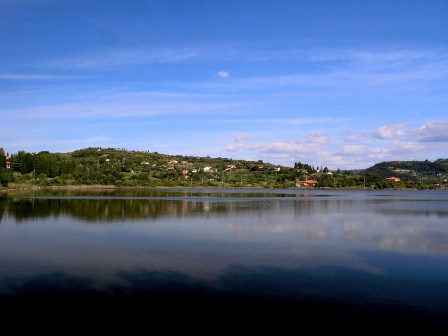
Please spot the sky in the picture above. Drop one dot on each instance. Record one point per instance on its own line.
(342, 84)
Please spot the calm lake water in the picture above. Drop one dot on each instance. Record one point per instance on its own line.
(373, 256)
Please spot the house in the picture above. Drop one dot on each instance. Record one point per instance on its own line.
(185, 173)
(8, 162)
(207, 169)
(392, 179)
(306, 183)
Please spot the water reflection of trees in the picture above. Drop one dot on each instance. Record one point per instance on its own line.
(108, 205)
(95, 208)
(108, 210)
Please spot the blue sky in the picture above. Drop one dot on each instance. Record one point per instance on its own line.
(343, 84)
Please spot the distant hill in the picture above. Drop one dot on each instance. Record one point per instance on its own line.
(428, 171)
(129, 168)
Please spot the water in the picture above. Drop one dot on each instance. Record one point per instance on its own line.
(339, 256)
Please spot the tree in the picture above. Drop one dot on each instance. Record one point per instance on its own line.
(42, 163)
(22, 162)
(5, 176)
(2, 158)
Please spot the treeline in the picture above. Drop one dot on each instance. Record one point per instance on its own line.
(120, 167)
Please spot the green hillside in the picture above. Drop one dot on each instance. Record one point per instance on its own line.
(129, 168)
(121, 167)
(423, 171)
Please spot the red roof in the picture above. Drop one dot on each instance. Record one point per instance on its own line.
(392, 179)
(307, 181)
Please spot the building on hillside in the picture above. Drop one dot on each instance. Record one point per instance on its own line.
(8, 162)
(392, 179)
(306, 183)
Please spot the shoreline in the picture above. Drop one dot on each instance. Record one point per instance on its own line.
(25, 188)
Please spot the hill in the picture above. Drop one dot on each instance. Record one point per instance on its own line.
(427, 171)
(129, 168)
(121, 167)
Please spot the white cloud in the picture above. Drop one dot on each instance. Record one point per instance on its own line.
(353, 149)
(242, 137)
(115, 107)
(274, 147)
(125, 57)
(311, 144)
(223, 74)
(356, 69)
(300, 121)
(377, 153)
(317, 137)
(352, 138)
(390, 131)
(143, 55)
(284, 146)
(376, 57)
(234, 147)
(431, 132)
(405, 147)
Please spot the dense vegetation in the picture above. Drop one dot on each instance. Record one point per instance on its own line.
(120, 167)
(422, 171)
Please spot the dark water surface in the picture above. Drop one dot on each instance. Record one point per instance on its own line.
(376, 257)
